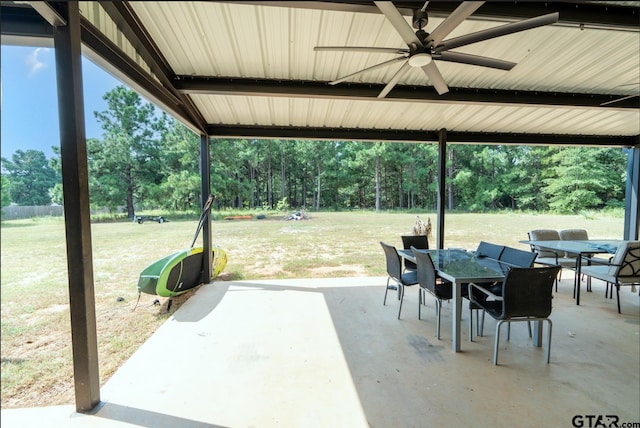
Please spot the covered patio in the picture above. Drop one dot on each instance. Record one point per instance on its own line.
(326, 352)
(249, 70)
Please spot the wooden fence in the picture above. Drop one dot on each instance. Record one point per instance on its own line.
(14, 212)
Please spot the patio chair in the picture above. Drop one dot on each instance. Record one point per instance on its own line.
(624, 268)
(486, 249)
(418, 241)
(394, 271)
(518, 258)
(549, 257)
(431, 283)
(515, 258)
(492, 251)
(583, 235)
(526, 295)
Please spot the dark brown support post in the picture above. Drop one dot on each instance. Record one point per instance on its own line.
(442, 176)
(73, 151)
(205, 174)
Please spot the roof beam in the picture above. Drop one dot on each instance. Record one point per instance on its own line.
(126, 20)
(24, 22)
(359, 134)
(310, 89)
(573, 13)
(21, 22)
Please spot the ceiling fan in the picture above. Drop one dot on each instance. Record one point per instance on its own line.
(424, 48)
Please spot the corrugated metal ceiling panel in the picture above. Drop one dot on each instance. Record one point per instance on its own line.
(95, 14)
(282, 111)
(221, 39)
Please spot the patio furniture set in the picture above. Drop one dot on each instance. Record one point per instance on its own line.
(510, 284)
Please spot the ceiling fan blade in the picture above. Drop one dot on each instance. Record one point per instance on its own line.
(399, 23)
(394, 80)
(398, 51)
(618, 100)
(436, 79)
(452, 21)
(502, 30)
(482, 61)
(364, 70)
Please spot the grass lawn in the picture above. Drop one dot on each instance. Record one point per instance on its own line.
(35, 341)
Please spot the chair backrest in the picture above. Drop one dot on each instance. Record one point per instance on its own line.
(417, 241)
(625, 264)
(426, 275)
(573, 235)
(486, 249)
(394, 266)
(519, 258)
(543, 235)
(426, 270)
(527, 292)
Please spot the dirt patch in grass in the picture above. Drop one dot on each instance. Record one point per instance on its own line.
(353, 270)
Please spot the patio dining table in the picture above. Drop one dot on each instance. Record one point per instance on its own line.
(581, 248)
(461, 267)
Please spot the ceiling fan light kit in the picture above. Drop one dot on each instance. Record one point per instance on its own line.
(419, 59)
(424, 49)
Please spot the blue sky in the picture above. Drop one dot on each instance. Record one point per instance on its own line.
(30, 103)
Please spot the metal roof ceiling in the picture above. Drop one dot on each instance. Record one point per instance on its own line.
(249, 69)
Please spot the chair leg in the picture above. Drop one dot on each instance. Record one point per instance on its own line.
(610, 288)
(384, 302)
(420, 293)
(617, 296)
(401, 289)
(438, 307)
(529, 325)
(497, 341)
(508, 331)
(549, 340)
(479, 323)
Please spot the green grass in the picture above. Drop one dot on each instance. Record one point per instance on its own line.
(35, 340)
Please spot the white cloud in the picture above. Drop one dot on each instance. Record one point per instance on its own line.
(33, 61)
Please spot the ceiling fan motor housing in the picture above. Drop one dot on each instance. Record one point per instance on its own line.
(420, 19)
(422, 36)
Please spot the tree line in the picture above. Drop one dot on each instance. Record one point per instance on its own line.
(147, 160)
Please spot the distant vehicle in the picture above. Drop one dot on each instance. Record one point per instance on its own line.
(142, 218)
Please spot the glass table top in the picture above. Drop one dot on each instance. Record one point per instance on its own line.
(464, 266)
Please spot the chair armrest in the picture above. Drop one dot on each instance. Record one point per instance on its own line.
(589, 258)
(547, 250)
(489, 294)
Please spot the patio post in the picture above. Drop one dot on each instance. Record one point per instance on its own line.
(205, 176)
(73, 153)
(442, 163)
(632, 202)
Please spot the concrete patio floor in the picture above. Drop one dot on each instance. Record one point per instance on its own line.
(327, 353)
